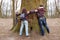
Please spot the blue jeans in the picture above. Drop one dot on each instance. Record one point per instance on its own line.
(24, 24)
(42, 23)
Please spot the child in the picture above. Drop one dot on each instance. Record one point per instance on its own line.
(24, 22)
(41, 19)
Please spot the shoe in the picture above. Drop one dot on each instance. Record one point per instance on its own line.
(42, 34)
(48, 32)
(27, 35)
(20, 35)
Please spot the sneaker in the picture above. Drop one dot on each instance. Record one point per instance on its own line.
(20, 35)
(27, 35)
(42, 34)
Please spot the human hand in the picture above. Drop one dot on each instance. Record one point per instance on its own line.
(36, 10)
(28, 12)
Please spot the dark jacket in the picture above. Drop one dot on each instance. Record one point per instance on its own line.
(23, 16)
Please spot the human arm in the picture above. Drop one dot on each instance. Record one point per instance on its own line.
(32, 11)
(18, 15)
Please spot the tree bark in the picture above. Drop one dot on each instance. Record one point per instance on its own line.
(14, 15)
(0, 9)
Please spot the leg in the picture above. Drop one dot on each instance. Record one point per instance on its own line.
(41, 27)
(16, 20)
(21, 28)
(26, 27)
(45, 24)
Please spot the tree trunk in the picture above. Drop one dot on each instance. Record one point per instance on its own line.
(0, 9)
(14, 15)
(29, 5)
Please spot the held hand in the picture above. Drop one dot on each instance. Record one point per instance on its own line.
(28, 12)
(36, 10)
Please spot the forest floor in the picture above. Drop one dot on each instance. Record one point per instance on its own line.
(6, 34)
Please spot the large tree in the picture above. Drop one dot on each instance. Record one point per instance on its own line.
(29, 5)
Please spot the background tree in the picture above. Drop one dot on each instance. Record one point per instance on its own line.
(0, 9)
(14, 16)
